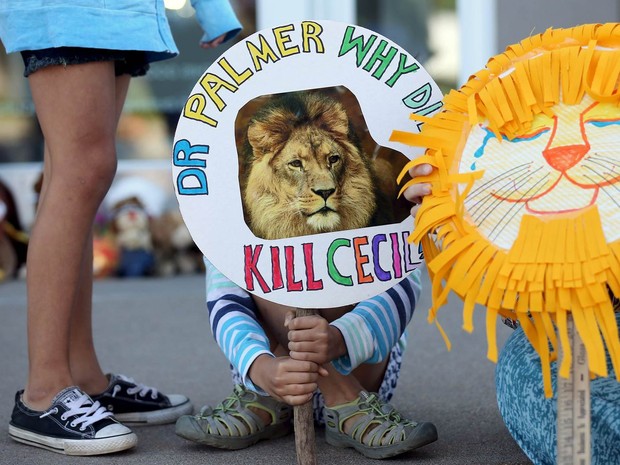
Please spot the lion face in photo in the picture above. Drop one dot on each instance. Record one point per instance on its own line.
(305, 171)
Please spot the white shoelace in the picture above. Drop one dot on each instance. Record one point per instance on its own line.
(141, 389)
(85, 411)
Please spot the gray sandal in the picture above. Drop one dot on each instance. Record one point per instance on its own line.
(378, 431)
(232, 425)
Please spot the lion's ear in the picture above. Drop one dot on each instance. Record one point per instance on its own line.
(270, 134)
(331, 116)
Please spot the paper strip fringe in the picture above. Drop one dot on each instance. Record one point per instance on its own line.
(557, 266)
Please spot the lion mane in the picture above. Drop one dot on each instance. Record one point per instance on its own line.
(305, 172)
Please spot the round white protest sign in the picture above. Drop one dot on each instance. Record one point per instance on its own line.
(283, 167)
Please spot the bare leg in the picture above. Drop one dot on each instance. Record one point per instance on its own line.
(85, 368)
(77, 112)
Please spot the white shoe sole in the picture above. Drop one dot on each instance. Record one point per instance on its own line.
(75, 446)
(156, 417)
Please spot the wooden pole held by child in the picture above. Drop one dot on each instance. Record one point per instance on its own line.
(304, 420)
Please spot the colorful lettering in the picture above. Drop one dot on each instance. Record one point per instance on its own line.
(403, 68)
(251, 257)
(311, 31)
(357, 44)
(194, 109)
(289, 258)
(402, 262)
(228, 69)
(276, 269)
(282, 39)
(263, 53)
(311, 283)
(384, 60)
(409, 264)
(361, 260)
(336, 276)
(182, 156)
(212, 84)
(420, 97)
(381, 274)
(396, 257)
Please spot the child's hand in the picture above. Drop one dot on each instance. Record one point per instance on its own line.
(416, 192)
(214, 43)
(288, 380)
(313, 339)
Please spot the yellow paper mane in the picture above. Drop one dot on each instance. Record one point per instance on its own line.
(557, 265)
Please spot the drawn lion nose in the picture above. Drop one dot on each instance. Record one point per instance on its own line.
(565, 157)
(325, 193)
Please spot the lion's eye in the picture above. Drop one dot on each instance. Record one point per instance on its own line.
(295, 163)
(333, 159)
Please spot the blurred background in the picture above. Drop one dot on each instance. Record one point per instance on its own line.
(451, 38)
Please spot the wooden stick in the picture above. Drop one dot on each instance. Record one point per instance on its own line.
(573, 406)
(304, 420)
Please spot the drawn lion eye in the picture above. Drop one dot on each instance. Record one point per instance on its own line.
(333, 159)
(295, 163)
(531, 136)
(601, 123)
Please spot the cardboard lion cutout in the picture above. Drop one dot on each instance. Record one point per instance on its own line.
(524, 214)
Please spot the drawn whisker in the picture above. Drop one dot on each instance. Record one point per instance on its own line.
(471, 202)
(480, 214)
(613, 186)
(601, 178)
(506, 220)
(516, 207)
(486, 203)
(487, 185)
(490, 202)
(597, 156)
(610, 167)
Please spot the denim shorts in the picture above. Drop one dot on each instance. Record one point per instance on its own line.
(130, 62)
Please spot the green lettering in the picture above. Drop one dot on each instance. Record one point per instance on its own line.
(384, 60)
(402, 69)
(361, 48)
(331, 266)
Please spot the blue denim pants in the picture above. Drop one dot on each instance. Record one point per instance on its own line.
(531, 417)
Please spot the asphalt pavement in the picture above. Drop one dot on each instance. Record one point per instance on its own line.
(156, 331)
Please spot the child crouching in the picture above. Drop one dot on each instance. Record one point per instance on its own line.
(346, 360)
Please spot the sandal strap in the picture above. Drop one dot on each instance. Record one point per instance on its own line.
(233, 417)
(376, 423)
(241, 423)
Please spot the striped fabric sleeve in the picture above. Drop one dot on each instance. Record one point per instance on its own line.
(375, 325)
(234, 324)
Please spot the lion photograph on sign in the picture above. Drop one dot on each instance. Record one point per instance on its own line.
(308, 165)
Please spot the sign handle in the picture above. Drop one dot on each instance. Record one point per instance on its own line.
(573, 422)
(304, 420)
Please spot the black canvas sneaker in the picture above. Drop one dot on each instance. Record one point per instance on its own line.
(73, 425)
(135, 403)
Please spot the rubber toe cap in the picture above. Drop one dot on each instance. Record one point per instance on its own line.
(187, 427)
(115, 429)
(177, 399)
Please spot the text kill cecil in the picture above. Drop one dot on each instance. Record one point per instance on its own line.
(364, 251)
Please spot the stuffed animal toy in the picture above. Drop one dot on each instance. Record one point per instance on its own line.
(8, 257)
(175, 250)
(13, 240)
(132, 229)
(105, 249)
